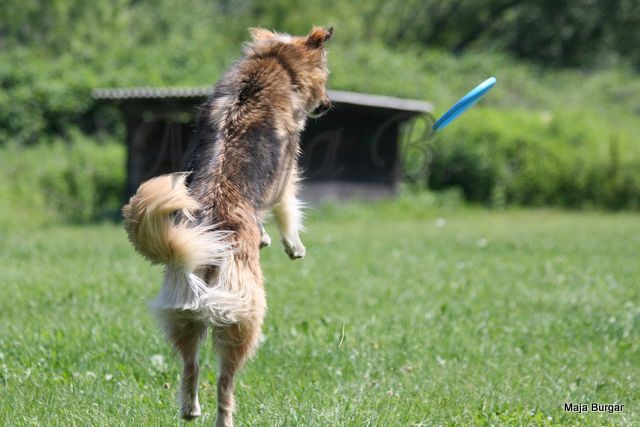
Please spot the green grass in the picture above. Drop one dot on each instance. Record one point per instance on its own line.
(396, 318)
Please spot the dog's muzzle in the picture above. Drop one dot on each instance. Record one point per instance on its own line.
(321, 109)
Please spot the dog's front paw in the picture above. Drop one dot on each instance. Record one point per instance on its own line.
(265, 240)
(295, 250)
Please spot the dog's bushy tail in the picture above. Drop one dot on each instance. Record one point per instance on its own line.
(158, 219)
(159, 222)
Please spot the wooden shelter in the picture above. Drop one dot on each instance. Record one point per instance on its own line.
(351, 152)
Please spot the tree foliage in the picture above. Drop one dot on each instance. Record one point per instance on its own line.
(54, 52)
(583, 33)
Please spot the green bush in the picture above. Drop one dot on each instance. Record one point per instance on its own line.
(77, 180)
(523, 157)
(510, 152)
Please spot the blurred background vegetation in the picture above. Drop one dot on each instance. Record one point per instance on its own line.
(561, 128)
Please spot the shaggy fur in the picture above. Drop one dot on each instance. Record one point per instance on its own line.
(205, 224)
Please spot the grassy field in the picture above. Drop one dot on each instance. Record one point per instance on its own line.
(399, 316)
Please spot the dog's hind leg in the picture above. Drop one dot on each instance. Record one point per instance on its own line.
(288, 216)
(235, 345)
(186, 337)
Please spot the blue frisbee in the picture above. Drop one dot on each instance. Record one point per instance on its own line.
(465, 102)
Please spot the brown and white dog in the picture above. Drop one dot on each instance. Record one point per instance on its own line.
(205, 224)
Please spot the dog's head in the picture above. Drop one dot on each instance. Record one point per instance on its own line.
(304, 58)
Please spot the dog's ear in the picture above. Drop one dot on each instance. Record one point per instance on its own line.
(318, 37)
(261, 34)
